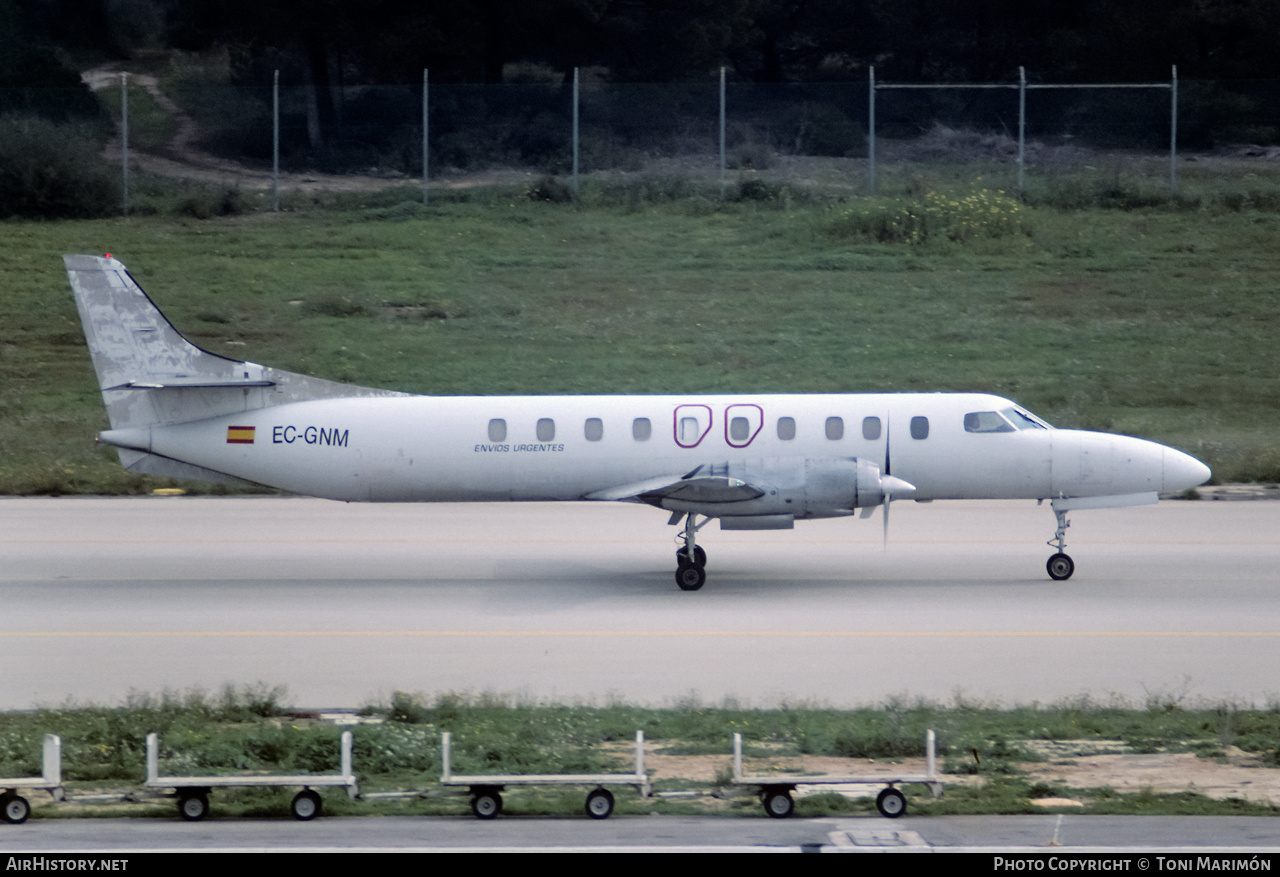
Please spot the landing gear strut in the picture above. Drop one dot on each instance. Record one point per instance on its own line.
(691, 559)
(1060, 566)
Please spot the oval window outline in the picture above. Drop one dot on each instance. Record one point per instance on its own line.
(690, 435)
(752, 413)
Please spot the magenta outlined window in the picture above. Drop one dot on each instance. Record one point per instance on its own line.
(692, 423)
(742, 423)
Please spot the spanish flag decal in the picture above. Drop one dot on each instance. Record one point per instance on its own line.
(240, 435)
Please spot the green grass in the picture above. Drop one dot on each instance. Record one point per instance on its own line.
(1159, 322)
(249, 729)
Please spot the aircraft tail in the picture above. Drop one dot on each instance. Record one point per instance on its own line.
(150, 374)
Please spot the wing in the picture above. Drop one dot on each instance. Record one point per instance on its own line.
(706, 484)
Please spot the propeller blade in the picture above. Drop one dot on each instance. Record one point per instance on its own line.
(887, 500)
(885, 485)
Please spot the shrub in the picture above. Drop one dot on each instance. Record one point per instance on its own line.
(549, 189)
(813, 128)
(207, 203)
(52, 171)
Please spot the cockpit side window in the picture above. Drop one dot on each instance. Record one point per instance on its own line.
(986, 421)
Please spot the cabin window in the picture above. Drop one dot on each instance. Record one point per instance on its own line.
(594, 429)
(739, 429)
(641, 429)
(546, 429)
(497, 430)
(786, 428)
(871, 428)
(986, 421)
(919, 427)
(835, 428)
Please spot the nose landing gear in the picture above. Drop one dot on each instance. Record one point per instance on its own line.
(1060, 566)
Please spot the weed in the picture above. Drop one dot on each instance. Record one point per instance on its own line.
(934, 216)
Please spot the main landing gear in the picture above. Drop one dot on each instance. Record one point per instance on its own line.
(1060, 566)
(691, 560)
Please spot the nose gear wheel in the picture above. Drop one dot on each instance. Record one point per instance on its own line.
(1060, 566)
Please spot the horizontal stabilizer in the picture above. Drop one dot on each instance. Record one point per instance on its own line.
(189, 383)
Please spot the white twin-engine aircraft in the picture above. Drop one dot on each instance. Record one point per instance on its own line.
(754, 462)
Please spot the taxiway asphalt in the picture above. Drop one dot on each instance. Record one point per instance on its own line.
(345, 604)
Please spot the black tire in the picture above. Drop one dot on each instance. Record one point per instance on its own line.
(699, 556)
(16, 809)
(891, 803)
(779, 804)
(690, 577)
(306, 805)
(600, 804)
(486, 804)
(193, 807)
(1060, 567)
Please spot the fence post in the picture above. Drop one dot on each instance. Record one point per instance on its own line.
(275, 142)
(426, 164)
(871, 132)
(575, 132)
(124, 141)
(1173, 134)
(1022, 128)
(722, 133)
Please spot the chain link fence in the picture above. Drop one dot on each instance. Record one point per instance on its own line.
(814, 136)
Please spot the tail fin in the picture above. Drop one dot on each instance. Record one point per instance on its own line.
(149, 374)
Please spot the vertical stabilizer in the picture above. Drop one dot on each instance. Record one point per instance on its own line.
(131, 342)
(149, 374)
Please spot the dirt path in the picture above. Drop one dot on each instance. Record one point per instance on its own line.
(184, 159)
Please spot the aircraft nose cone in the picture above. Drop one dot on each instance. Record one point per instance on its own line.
(1183, 471)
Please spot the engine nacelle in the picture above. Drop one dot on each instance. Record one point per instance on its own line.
(794, 487)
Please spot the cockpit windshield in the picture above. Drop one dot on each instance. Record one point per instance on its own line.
(1024, 419)
(1008, 420)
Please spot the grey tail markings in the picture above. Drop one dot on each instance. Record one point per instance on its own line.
(149, 374)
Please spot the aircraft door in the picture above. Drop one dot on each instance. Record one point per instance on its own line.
(691, 424)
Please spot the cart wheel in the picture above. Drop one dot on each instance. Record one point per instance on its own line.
(486, 805)
(779, 804)
(306, 805)
(193, 806)
(16, 809)
(600, 804)
(891, 803)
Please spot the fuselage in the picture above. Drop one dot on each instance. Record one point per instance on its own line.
(433, 448)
